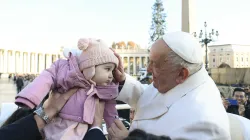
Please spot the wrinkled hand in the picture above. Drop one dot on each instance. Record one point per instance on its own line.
(119, 74)
(99, 110)
(241, 109)
(56, 101)
(117, 131)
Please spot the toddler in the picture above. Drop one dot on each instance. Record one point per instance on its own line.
(89, 68)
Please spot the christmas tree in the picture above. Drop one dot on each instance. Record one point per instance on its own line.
(158, 24)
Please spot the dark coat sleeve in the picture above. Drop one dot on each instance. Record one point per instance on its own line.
(233, 109)
(24, 129)
(94, 134)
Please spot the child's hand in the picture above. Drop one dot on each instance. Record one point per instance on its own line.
(99, 109)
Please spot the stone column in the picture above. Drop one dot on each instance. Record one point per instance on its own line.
(134, 66)
(146, 61)
(140, 66)
(17, 58)
(9, 62)
(5, 59)
(24, 62)
(35, 63)
(21, 63)
(12, 63)
(122, 59)
(1, 61)
(48, 60)
(41, 63)
(128, 69)
(188, 16)
(28, 62)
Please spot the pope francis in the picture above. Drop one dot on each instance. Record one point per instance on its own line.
(183, 102)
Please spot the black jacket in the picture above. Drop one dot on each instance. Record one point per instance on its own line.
(26, 129)
(234, 110)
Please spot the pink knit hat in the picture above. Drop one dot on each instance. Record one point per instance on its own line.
(94, 52)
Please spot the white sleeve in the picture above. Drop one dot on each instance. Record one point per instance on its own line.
(131, 91)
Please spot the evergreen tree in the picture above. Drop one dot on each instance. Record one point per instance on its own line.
(158, 24)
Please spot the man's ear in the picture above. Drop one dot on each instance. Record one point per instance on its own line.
(183, 75)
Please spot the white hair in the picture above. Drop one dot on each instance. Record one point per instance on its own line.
(177, 61)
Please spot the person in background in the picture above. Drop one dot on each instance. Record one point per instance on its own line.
(19, 83)
(243, 107)
(26, 81)
(14, 78)
(9, 77)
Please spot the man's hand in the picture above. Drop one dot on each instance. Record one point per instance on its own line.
(53, 105)
(117, 131)
(226, 103)
(99, 109)
(119, 74)
(241, 110)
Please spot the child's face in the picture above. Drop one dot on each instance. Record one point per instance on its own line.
(103, 74)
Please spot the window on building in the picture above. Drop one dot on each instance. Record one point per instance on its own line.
(247, 59)
(242, 59)
(237, 59)
(228, 54)
(220, 59)
(213, 59)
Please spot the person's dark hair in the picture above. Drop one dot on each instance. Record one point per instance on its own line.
(17, 115)
(239, 90)
(142, 135)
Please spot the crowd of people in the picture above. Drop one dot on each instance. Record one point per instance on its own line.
(182, 102)
(21, 80)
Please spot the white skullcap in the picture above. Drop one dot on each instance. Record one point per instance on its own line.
(184, 45)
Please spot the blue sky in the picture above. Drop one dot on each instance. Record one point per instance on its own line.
(50, 24)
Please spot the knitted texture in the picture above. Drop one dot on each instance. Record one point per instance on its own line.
(94, 52)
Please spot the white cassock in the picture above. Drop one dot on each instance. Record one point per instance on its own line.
(192, 110)
(240, 127)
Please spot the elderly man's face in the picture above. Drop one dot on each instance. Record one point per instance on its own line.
(165, 76)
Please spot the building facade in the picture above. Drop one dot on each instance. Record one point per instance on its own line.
(133, 59)
(26, 62)
(34, 62)
(236, 56)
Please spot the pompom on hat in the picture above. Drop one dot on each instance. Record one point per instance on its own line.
(94, 52)
(184, 45)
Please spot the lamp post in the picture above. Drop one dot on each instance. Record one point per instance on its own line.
(205, 38)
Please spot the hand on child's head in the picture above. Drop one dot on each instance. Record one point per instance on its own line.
(118, 73)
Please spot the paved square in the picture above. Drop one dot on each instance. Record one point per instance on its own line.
(7, 90)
